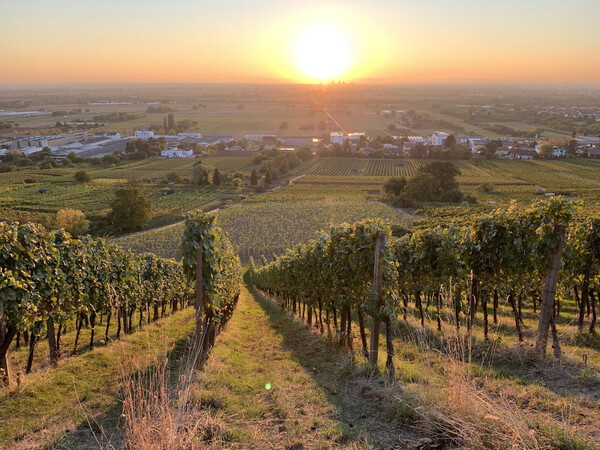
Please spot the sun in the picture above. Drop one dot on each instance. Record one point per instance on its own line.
(323, 53)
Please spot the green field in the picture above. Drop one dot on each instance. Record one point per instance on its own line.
(367, 167)
(268, 224)
(269, 227)
(24, 201)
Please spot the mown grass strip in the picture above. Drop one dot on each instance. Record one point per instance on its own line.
(49, 404)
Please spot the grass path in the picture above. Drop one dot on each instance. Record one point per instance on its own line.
(56, 405)
(272, 383)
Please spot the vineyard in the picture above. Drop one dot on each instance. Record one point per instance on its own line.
(267, 227)
(50, 282)
(513, 254)
(367, 167)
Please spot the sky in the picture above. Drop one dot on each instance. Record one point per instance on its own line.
(386, 41)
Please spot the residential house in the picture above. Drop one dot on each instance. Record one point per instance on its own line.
(594, 152)
(336, 137)
(144, 134)
(176, 153)
(523, 153)
(438, 138)
(391, 149)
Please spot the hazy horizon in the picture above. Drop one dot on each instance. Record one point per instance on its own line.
(378, 42)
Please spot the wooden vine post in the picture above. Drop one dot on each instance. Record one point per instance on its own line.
(199, 305)
(6, 375)
(547, 305)
(378, 280)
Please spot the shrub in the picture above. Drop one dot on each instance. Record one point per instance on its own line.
(452, 196)
(403, 201)
(82, 176)
(48, 164)
(486, 187)
(173, 177)
(423, 187)
(72, 220)
(395, 185)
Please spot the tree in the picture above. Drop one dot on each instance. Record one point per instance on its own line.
(304, 153)
(422, 186)
(490, 148)
(283, 126)
(572, 147)
(13, 155)
(82, 176)
(460, 151)
(72, 220)
(131, 209)
(201, 176)
(449, 141)
(395, 185)
(73, 157)
(445, 172)
(165, 125)
(418, 151)
(253, 178)
(452, 196)
(283, 164)
(217, 181)
(171, 121)
(268, 178)
(546, 151)
(236, 182)
(173, 177)
(110, 159)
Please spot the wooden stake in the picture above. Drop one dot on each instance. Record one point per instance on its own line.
(7, 377)
(547, 305)
(378, 280)
(199, 305)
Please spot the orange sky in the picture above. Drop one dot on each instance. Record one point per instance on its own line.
(234, 41)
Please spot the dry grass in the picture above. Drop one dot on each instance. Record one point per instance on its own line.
(155, 413)
(473, 393)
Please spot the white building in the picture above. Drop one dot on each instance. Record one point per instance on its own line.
(557, 152)
(391, 149)
(355, 137)
(438, 138)
(253, 137)
(144, 135)
(114, 135)
(189, 135)
(176, 153)
(336, 137)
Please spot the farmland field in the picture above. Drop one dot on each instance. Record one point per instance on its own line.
(269, 227)
(50, 190)
(366, 167)
(268, 224)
